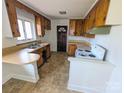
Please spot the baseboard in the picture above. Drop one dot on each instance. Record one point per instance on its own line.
(8, 77)
(21, 77)
(25, 78)
(82, 89)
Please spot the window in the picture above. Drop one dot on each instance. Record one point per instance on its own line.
(26, 30)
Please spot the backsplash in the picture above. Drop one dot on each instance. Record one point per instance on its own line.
(79, 38)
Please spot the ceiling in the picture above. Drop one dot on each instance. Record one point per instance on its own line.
(51, 8)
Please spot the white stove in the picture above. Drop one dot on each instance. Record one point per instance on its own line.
(97, 52)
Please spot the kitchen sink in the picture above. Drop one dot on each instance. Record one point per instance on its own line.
(34, 45)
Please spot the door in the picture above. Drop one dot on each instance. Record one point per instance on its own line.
(61, 38)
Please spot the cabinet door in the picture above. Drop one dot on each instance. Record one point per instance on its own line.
(11, 9)
(71, 49)
(38, 25)
(78, 31)
(101, 12)
(40, 60)
(85, 26)
(49, 25)
(43, 25)
(48, 52)
(90, 19)
(72, 27)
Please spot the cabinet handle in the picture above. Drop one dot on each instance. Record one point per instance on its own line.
(104, 18)
(13, 33)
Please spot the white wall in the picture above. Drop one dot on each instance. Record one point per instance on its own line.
(89, 76)
(6, 29)
(28, 72)
(51, 36)
(113, 42)
(79, 38)
(7, 37)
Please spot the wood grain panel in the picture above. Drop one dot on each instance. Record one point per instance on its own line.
(101, 12)
(78, 31)
(71, 49)
(11, 9)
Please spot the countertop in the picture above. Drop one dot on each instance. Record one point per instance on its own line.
(23, 56)
(81, 44)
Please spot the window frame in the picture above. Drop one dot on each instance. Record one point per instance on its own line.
(24, 29)
(24, 15)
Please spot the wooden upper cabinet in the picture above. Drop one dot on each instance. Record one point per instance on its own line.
(78, 31)
(79, 27)
(39, 24)
(11, 9)
(48, 24)
(105, 13)
(43, 25)
(90, 19)
(85, 25)
(72, 27)
(75, 27)
(101, 12)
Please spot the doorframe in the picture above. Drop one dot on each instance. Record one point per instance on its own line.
(66, 37)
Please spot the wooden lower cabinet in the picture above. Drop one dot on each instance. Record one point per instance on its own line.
(40, 60)
(71, 49)
(48, 51)
(40, 52)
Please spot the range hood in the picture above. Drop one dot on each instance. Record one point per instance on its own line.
(100, 30)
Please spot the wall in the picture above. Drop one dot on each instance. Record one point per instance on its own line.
(79, 38)
(51, 36)
(113, 42)
(88, 81)
(28, 72)
(6, 29)
(8, 40)
(7, 37)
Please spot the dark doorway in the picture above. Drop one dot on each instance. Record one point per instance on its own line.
(61, 38)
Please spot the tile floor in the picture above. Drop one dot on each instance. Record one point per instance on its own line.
(53, 78)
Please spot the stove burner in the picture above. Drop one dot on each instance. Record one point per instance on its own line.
(87, 51)
(91, 55)
(80, 50)
(82, 55)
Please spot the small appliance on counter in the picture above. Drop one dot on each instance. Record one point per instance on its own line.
(97, 52)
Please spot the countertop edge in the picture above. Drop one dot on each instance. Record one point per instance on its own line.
(37, 56)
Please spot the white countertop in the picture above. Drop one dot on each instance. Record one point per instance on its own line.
(23, 56)
(84, 60)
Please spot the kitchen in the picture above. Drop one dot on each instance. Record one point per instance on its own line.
(37, 57)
